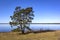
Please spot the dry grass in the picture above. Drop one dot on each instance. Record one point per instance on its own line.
(31, 36)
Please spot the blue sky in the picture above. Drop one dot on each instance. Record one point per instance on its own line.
(45, 11)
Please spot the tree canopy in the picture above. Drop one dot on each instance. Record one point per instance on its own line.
(22, 17)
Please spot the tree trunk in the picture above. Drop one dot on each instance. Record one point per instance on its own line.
(22, 29)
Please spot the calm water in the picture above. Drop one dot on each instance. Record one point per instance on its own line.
(35, 27)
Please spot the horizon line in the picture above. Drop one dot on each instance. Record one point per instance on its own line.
(35, 23)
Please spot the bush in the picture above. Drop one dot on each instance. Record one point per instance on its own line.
(16, 30)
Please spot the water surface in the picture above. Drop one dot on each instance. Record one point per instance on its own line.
(7, 27)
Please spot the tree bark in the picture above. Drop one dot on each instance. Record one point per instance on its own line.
(22, 29)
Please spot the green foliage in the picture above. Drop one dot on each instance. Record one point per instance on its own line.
(16, 30)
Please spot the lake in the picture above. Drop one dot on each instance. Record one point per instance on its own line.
(7, 28)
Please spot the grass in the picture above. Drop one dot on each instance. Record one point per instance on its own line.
(52, 35)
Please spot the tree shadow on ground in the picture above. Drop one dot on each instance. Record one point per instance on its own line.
(41, 31)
